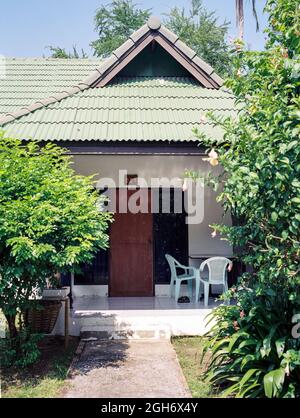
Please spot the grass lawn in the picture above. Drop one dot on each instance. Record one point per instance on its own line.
(189, 351)
(46, 378)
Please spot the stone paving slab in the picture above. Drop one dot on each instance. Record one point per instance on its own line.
(127, 368)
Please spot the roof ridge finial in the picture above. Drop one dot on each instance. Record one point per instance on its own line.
(154, 23)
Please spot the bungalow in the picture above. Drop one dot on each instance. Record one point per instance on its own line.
(130, 114)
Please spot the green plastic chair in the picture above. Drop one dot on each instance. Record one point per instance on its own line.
(176, 279)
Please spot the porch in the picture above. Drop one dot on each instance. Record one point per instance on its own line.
(125, 292)
(136, 317)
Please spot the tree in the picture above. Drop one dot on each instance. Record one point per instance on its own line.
(58, 52)
(200, 29)
(255, 352)
(115, 23)
(50, 221)
(240, 19)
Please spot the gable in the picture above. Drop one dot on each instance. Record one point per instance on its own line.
(154, 61)
(147, 38)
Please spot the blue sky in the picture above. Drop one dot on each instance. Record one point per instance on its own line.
(27, 27)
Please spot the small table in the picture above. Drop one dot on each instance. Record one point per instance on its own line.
(66, 301)
(205, 256)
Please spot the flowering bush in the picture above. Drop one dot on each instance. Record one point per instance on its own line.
(255, 355)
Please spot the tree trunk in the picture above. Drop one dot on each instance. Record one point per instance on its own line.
(11, 320)
(239, 5)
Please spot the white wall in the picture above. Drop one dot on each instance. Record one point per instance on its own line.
(200, 239)
(145, 166)
(148, 166)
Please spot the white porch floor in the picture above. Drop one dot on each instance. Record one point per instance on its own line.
(96, 304)
(130, 317)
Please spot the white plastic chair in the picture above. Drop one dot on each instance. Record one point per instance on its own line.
(176, 279)
(217, 274)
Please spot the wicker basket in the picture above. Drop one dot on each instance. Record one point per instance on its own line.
(43, 320)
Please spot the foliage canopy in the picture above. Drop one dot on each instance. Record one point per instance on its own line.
(200, 30)
(50, 221)
(114, 24)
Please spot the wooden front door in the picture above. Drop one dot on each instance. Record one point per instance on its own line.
(131, 259)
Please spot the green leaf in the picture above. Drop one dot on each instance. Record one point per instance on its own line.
(266, 348)
(248, 389)
(248, 375)
(249, 358)
(235, 338)
(273, 382)
(280, 345)
(230, 390)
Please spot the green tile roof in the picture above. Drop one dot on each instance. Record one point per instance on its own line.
(30, 79)
(129, 109)
(78, 99)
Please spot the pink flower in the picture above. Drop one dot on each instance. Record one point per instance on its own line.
(213, 154)
(287, 370)
(184, 186)
(236, 325)
(212, 158)
(242, 314)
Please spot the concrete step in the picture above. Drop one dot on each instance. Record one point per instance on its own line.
(130, 332)
(133, 325)
(121, 321)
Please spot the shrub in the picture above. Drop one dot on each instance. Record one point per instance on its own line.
(255, 355)
(20, 351)
(50, 221)
(253, 352)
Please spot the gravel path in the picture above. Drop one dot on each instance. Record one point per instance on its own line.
(127, 368)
